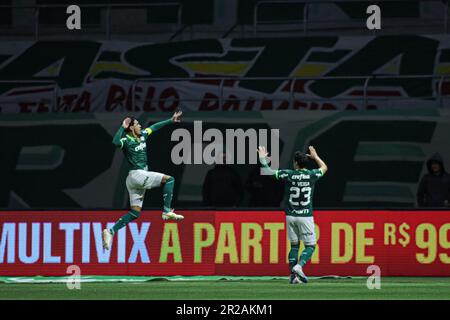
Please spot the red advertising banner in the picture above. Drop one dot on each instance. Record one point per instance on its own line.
(401, 243)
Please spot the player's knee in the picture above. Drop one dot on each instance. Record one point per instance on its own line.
(295, 245)
(311, 246)
(167, 179)
(136, 208)
(135, 213)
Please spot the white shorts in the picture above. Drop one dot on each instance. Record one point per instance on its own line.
(140, 180)
(301, 229)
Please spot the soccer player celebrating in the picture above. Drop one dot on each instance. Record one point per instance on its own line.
(139, 178)
(298, 207)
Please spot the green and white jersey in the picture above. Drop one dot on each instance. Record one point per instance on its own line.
(299, 190)
(135, 150)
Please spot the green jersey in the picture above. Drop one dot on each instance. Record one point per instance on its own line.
(299, 190)
(135, 149)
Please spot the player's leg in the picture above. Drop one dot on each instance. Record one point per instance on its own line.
(168, 184)
(306, 254)
(295, 245)
(131, 215)
(308, 236)
(136, 194)
(156, 179)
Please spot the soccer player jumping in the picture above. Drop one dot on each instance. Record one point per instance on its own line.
(298, 207)
(139, 178)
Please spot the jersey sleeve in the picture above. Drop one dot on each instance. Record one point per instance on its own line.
(316, 174)
(119, 140)
(283, 174)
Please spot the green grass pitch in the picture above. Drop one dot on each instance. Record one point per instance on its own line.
(400, 288)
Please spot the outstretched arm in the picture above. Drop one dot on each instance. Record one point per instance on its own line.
(156, 126)
(263, 158)
(313, 154)
(118, 136)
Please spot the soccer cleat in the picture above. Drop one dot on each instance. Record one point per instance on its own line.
(298, 270)
(107, 238)
(293, 279)
(172, 216)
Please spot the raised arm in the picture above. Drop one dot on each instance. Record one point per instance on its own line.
(263, 158)
(119, 134)
(313, 155)
(156, 126)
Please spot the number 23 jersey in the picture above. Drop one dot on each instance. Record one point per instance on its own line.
(299, 190)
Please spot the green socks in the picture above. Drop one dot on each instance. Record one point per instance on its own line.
(124, 220)
(168, 193)
(293, 255)
(306, 255)
(133, 214)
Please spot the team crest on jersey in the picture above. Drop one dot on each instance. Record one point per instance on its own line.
(142, 139)
(140, 147)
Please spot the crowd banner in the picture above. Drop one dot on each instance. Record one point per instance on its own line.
(251, 243)
(106, 76)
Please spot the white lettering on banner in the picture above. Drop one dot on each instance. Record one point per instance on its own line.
(139, 243)
(121, 245)
(69, 228)
(71, 242)
(8, 242)
(35, 240)
(48, 258)
(86, 242)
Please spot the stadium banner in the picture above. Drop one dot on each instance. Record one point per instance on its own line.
(250, 243)
(106, 76)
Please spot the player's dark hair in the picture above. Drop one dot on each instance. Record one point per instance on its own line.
(131, 123)
(301, 159)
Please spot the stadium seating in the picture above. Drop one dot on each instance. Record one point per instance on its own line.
(193, 19)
